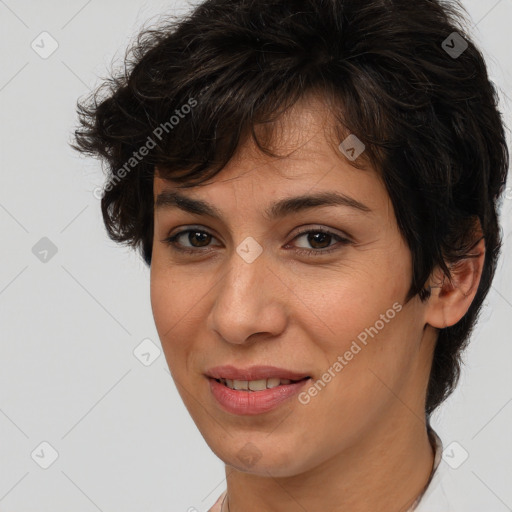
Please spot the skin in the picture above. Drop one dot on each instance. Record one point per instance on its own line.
(361, 443)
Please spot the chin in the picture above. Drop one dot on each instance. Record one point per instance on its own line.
(261, 457)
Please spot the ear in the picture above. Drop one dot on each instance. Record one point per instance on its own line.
(449, 302)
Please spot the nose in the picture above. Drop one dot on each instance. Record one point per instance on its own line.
(250, 299)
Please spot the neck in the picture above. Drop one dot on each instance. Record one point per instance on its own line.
(386, 471)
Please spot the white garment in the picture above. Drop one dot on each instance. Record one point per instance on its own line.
(454, 490)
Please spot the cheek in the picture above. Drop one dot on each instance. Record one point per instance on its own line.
(345, 304)
(179, 303)
(172, 291)
(163, 301)
(360, 381)
(169, 303)
(360, 317)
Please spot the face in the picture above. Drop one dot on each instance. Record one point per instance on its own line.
(318, 291)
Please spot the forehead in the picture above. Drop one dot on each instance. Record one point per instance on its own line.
(310, 161)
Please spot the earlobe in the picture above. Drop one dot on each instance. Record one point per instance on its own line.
(450, 300)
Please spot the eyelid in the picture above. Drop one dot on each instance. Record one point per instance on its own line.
(181, 230)
(320, 228)
(342, 239)
(300, 231)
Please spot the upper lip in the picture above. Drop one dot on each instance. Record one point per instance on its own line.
(253, 373)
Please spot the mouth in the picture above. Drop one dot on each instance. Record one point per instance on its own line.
(257, 385)
(254, 389)
(254, 392)
(255, 374)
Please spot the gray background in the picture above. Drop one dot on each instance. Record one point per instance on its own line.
(70, 324)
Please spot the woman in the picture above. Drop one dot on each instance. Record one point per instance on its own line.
(314, 185)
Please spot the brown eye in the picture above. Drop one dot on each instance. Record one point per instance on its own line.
(197, 238)
(319, 240)
(202, 237)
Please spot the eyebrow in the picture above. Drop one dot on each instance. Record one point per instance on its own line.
(171, 199)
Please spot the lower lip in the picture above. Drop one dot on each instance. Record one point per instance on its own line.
(254, 402)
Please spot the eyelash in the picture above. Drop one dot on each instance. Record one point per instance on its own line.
(171, 241)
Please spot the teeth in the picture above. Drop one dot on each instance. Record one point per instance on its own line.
(258, 385)
(254, 385)
(274, 382)
(240, 384)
